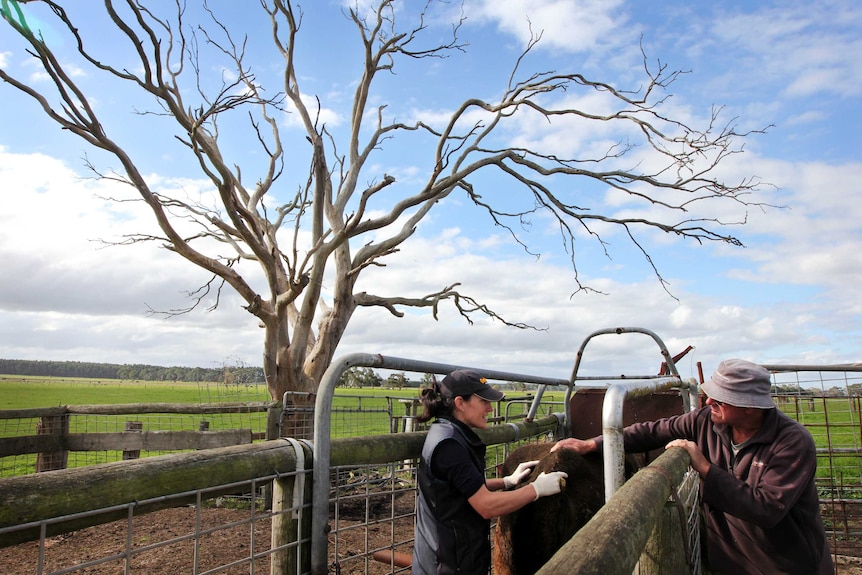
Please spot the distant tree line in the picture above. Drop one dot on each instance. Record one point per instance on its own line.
(359, 377)
(229, 374)
(235, 373)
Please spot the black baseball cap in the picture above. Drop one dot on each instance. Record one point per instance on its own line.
(465, 382)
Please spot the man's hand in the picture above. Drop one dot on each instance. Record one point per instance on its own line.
(579, 446)
(549, 483)
(521, 472)
(698, 461)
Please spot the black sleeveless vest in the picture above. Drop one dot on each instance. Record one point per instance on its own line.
(451, 537)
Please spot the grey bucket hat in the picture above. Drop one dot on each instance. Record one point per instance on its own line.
(740, 383)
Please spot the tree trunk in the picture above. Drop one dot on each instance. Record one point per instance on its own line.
(287, 384)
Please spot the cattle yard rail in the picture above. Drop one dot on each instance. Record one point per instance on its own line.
(331, 505)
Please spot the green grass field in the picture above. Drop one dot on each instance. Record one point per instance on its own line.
(833, 422)
(34, 392)
(19, 392)
(356, 412)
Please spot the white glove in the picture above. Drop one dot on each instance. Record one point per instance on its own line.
(549, 483)
(521, 472)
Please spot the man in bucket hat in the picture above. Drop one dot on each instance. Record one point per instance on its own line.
(757, 469)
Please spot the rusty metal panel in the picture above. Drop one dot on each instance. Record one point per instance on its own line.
(586, 409)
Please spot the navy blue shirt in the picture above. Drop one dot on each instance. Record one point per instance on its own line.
(452, 463)
(452, 538)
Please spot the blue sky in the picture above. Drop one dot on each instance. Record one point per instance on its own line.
(789, 296)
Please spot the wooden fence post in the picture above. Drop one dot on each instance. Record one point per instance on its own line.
(273, 417)
(133, 427)
(57, 425)
(665, 551)
(291, 519)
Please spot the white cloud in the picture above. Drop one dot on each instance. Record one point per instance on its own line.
(808, 117)
(790, 295)
(88, 305)
(571, 25)
(320, 115)
(811, 48)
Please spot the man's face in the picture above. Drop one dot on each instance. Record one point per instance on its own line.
(728, 414)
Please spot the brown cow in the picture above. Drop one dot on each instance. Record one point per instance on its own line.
(526, 539)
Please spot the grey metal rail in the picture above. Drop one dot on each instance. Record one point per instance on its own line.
(612, 408)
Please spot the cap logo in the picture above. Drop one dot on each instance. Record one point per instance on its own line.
(483, 380)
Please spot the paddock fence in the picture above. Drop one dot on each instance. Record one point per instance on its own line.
(371, 510)
(47, 439)
(371, 492)
(44, 439)
(219, 520)
(826, 400)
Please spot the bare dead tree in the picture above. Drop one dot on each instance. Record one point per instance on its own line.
(301, 332)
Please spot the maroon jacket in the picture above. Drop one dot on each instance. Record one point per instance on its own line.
(762, 513)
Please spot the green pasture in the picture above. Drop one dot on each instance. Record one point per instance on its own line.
(17, 392)
(356, 412)
(20, 392)
(833, 422)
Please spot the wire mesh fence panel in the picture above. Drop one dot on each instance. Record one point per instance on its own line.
(827, 403)
(18, 463)
(70, 431)
(73, 436)
(688, 496)
(372, 513)
(356, 415)
(210, 534)
(517, 408)
(216, 392)
(365, 415)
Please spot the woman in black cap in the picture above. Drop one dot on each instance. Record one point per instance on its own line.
(456, 501)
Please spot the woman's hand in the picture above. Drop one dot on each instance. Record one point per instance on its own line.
(521, 472)
(549, 483)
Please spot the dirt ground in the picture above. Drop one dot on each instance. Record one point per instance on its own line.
(221, 547)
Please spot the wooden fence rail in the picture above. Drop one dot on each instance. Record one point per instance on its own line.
(614, 540)
(53, 439)
(46, 504)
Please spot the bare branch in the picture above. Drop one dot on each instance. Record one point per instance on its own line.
(198, 296)
(338, 214)
(466, 305)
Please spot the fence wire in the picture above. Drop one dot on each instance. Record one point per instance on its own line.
(828, 404)
(219, 419)
(688, 494)
(205, 537)
(372, 508)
